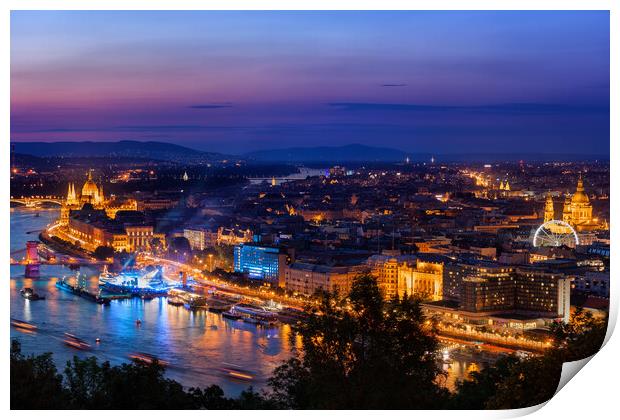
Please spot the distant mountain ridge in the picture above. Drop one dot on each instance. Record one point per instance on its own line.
(352, 153)
(348, 153)
(124, 148)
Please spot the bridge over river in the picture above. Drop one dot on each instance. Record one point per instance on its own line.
(36, 254)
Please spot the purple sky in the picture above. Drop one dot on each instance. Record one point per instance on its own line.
(442, 82)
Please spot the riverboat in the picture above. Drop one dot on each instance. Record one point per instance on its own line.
(28, 293)
(82, 291)
(147, 358)
(23, 325)
(231, 314)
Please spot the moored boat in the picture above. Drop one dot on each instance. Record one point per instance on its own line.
(28, 293)
(81, 291)
(231, 314)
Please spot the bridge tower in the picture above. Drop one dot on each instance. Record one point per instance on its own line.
(32, 259)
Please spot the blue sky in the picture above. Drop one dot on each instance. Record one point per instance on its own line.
(441, 82)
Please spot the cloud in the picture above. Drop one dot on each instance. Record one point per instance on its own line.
(508, 108)
(393, 85)
(211, 106)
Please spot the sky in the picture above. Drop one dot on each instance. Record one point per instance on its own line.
(428, 82)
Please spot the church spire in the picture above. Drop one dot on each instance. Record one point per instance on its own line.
(580, 184)
(549, 212)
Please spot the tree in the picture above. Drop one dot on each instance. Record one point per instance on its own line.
(87, 384)
(35, 373)
(104, 252)
(361, 352)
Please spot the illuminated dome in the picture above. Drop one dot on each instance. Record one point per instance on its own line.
(580, 197)
(90, 191)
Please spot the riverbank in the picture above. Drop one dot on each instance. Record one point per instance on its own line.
(55, 244)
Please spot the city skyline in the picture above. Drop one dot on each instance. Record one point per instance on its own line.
(235, 82)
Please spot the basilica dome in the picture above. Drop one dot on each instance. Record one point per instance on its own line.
(580, 196)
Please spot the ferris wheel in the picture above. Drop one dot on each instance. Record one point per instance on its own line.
(555, 233)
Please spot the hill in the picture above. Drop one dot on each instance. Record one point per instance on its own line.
(124, 149)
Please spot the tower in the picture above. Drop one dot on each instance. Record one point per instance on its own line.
(32, 259)
(507, 186)
(580, 207)
(273, 181)
(501, 185)
(549, 213)
(101, 198)
(185, 177)
(566, 211)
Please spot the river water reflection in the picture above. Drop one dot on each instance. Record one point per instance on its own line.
(195, 343)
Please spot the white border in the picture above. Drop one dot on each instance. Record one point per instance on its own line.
(591, 394)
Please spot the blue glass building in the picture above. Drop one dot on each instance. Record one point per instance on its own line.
(259, 262)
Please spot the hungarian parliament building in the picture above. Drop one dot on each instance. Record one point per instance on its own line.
(93, 221)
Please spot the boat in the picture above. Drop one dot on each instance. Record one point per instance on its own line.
(269, 322)
(116, 296)
(231, 314)
(237, 372)
(196, 303)
(23, 325)
(75, 342)
(28, 293)
(218, 306)
(82, 291)
(147, 358)
(175, 301)
(251, 320)
(256, 315)
(189, 299)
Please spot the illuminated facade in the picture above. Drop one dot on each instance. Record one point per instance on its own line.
(549, 212)
(200, 238)
(226, 236)
(260, 263)
(385, 269)
(577, 210)
(307, 279)
(93, 228)
(398, 275)
(521, 290)
(424, 280)
(92, 194)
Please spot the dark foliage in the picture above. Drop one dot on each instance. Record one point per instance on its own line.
(87, 384)
(361, 352)
(104, 252)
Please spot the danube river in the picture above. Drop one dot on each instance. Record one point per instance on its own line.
(196, 344)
